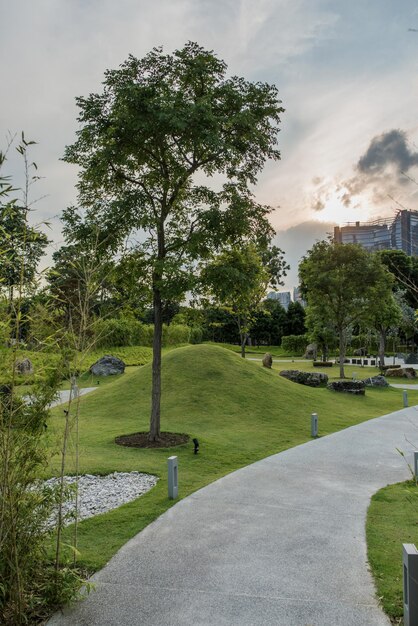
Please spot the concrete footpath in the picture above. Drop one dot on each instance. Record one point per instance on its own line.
(280, 542)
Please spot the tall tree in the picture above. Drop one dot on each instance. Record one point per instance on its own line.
(386, 316)
(343, 284)
(405, 270)
(149, 147)
(295, 319)
(237, 280)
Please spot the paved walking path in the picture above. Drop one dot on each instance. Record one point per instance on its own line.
(64, 395)
(280, 542)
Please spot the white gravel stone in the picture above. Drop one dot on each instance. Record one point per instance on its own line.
(99, 494)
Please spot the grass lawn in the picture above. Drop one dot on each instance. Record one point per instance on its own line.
(392, 520)
(260, 351)
(239, 411)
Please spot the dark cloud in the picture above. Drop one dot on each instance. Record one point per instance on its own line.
(388, 149)
(381, 172)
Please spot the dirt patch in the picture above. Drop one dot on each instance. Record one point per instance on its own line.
(140, 440)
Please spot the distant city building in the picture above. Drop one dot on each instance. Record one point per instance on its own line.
(297, 297)
(282, 296)
(399, 233)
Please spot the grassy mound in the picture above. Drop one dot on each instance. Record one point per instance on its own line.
(239, 411)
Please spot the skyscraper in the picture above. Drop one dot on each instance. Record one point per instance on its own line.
(399, 233)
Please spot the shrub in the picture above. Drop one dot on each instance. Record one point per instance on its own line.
(295, 344)
(196, 335)
(356, 387)
(114, 332)
(322, 364)
(175, 334)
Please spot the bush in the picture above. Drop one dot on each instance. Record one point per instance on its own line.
(295, 344)
(322, 364)
(196, 335)
(114, 332)
(175, 334)
(356, 387)
(118, 332)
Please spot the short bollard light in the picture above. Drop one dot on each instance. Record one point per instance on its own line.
(173, 479)
(354, 375)
(196, 445)
(416, 464)
(405, 398)
(314, 425)
(410, 584)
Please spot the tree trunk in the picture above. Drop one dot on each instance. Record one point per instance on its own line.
(154, 427)
(382, 346)
(342, 353)
(242, 335)
(243, 342)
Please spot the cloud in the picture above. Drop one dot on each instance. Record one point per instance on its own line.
(388, 149)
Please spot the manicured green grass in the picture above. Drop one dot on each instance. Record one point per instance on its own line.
(256, 351)
(239, 411)
(392, 520)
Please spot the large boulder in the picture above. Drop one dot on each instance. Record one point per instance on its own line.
(360, 352)
(376, 381)
(24, 367)
(108, 366)
(311, 379)
(267, 360)
(356, 387)
(311, 351)
(401, 372)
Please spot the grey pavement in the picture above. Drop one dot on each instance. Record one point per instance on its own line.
(280, 542)
(64, 395)
(405, 386)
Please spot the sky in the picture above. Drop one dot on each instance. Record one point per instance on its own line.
(346, 73)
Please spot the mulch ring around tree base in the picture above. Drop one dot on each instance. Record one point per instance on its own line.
(140, 440)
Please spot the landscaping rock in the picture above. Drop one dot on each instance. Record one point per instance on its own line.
(356, 387)
(360, 352)
(24, 367)
(311, 351)
(311, 379)
(267, 360)
(411, 359)
(401, 372)
(376, 381)
(108, 366)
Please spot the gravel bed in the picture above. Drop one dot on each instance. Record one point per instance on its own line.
(99, 494)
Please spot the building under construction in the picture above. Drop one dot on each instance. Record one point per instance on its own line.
(398, 233)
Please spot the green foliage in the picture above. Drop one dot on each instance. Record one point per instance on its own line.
(196, 335)
(295, 319)
(237, 280)
(405, 271)
(295, 344)
(130, 332)
(28, 579)
(121, 331)
(175, 334)
(344, 285)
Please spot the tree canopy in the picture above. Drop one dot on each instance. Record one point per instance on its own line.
(344, 285)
